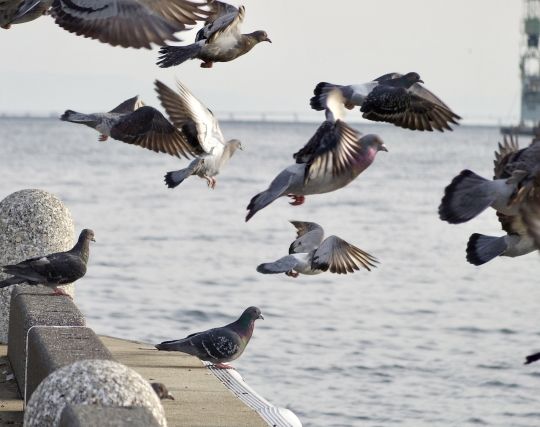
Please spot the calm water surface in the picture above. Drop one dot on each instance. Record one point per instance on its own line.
(424, 340)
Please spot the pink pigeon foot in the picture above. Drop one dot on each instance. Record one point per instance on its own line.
(60, 292)
(102, 138)
(223, 366)
(297, 200)
(207, 64)
(292, 274)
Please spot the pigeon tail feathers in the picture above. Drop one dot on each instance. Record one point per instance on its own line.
(175, 55)
(532, 358)
(175, 178)
(73, 116)
(466, 197)
(11, 281)
(481, 248)
(318, 101)
(260, 201)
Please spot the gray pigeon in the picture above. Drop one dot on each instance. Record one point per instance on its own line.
(202, 133)
(127, 23)
(393, 98)
(311, 254)
(330, 160)
(52, 270)
(136, 124)
(219, 40)
(218, 345)
(162, 391)
(514, 193)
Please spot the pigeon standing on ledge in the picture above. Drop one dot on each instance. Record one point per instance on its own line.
(219, 40)
(126, 23)
(218, 345)
(330, 160)
(310, 254)
(393, 98)
(201, 130)
(52, 270)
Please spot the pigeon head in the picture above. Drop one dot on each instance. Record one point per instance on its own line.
(412, 78)
(162, 391)
(235, 145)
(87, 234)
(374, 141)
(261, 36)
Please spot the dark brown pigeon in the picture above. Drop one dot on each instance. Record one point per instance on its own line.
(134, 123)
(219, 40)
(126, 23)
(393, 98)
(52, 270)
(218, 345)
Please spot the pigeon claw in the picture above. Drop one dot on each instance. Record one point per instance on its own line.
(207, 64)
(222, 366)
(297, 200)
(292, 274)
(102, 138)
(60, 292)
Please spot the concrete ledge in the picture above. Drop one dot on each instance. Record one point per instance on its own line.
(88, 415)
(50, 348)
(35, 306)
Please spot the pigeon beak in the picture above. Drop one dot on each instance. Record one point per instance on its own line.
(260, 317)
(383, 148)
(241, 148)
(420, 81)
(93, 239)
(169, 396)
(268, 40)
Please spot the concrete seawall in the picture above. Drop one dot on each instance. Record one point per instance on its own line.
(48, 332)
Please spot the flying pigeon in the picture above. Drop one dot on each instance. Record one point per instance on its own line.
(218, 345)
(219, 40)
(161, 391)
(514, 193)
(330, 160)
(393, 98)
(52, 270)
(202, 133)
(134, 123)
(310, 254)
(126, 23)
(532, 358)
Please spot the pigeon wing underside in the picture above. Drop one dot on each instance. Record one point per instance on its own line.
(128, 23)
(148, 128)
(224, 18)
(308, 237)
(340, 257)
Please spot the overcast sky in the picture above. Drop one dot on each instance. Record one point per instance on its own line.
(466, 51)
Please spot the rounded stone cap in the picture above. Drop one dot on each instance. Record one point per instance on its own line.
(32, 223)
(90, 382)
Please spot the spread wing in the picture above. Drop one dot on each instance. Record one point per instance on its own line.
(415, 108)
(148, 128)
(505, 152)
(196, 121)
(341, 257)
(332, 150)
(128, 106)
(309, 236)
(128, 23)
(224, 18)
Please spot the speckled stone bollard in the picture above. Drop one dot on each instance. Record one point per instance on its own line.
(90, 382)
(32, 223)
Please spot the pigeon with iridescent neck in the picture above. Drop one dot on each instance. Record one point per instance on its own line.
(52, 270)
(330, 160)
(218, 345)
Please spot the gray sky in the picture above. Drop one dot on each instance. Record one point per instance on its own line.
(466, 51)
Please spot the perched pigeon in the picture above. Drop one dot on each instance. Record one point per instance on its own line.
(126, 23)
(514, 193)
(52, 270)
(136, 124)
(218, 345)
(202, 133)
(219, 40)
(393, 98)
(161, 391)
(532, 358)
(330, 160)
(310, 254)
